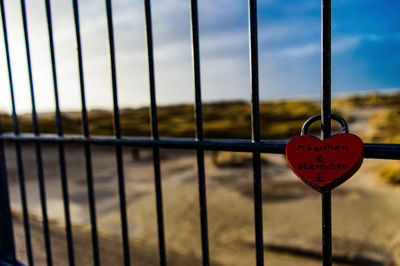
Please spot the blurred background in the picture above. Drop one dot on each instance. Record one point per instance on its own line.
(365, 88)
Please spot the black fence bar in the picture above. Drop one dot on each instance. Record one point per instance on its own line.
(7, 245)
(199, 131)
(86, 146)
(18, 151)
(117, 133)
(255, 122)
(38, 150)
(326, 124)
(390, 151)
(25, 212)
(65, 194)
(154, 132)
(61, 149)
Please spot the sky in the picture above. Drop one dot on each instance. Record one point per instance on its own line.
(365, 51)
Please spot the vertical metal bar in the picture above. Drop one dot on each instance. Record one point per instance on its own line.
(38, 150)
(117, 133)
(65, 194)
(7, 246)
(154, 132)
(86, 146)
(326, 124)
(199, 131)
(61, 149)
(255, 119)
(17, 145)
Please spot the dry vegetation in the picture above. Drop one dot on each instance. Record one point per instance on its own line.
(281, 119)
(387, 127)
(234, 159)
(369, 100)
(385, 124)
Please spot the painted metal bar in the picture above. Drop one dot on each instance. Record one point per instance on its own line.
(154, 132)
(255, 119)
(7, 244)
(61, 149)
(65, 195)
(18, 151)
(21, 176)
(371, 150)
(38, 149)
(117, 133)
(326, 124)
(53, 67)
(199, 131)
(86, 146)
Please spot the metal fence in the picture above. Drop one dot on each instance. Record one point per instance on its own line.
(255, 145)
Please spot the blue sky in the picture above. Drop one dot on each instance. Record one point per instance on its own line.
(365, 56)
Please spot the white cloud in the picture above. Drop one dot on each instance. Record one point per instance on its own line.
(345, 44)
(301, 50)
(313, 48)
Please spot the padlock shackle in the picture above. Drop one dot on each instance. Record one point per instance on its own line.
(314, 118)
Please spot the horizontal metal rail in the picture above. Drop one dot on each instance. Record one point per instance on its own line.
(371, 150)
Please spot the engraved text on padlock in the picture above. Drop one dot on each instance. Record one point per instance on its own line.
(325, 164)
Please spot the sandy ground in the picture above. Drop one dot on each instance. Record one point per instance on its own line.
(365, 210)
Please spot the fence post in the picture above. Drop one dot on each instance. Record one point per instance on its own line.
(7, 248)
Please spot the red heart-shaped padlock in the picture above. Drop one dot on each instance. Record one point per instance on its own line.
(325, 164)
